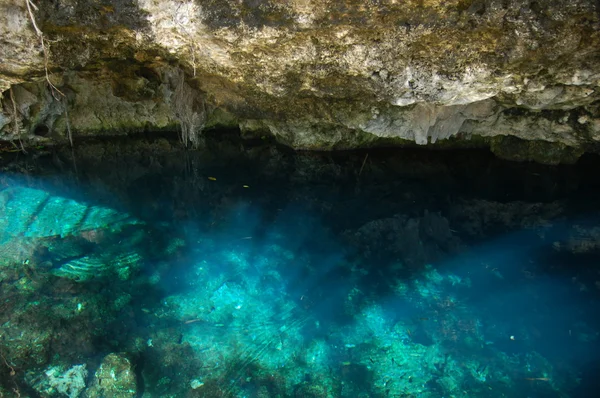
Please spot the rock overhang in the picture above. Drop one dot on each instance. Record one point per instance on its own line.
(319, 74)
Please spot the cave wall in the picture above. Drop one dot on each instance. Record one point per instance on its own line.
(520, 77)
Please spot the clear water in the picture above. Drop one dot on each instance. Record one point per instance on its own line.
(245, 270)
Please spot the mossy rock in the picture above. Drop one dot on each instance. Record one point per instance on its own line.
(114, 378)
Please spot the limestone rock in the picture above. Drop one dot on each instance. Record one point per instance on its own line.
(313, 73)
(114, 378)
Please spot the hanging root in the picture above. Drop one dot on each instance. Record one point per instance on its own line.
(70, 135)
(53, 89)
(40, 34)
(17, 129)
(363, 165)
(190, 109)
(193, 51)
(56, 93)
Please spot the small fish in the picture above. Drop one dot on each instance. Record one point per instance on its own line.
(192, 321)
(246, 186)
(537, 378)
(408, 332)
(246, 237)
(212, 178)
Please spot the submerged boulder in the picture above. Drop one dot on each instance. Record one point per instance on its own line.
(114, 378)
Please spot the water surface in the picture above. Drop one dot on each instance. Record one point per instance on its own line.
(247, 270)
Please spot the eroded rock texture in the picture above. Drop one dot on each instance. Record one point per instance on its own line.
(521, 77)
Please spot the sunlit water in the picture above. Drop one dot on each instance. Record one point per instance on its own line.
(256, 272)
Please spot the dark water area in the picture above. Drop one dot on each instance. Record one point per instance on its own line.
(135, 268)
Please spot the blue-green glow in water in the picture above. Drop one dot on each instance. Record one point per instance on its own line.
(261, 273)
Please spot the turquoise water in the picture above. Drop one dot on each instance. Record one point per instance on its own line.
(245, 270)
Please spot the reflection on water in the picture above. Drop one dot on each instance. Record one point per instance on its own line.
(243, 270)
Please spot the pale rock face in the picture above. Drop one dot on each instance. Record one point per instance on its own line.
(320, 74)
(19, 53)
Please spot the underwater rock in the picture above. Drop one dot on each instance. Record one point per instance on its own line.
(73, 239)
(477, 217)
(412, 240)
(56, 381)
(114, 378)
(581, 239)
(313, 74)
(34, 213)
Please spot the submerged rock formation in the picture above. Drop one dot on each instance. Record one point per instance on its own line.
(520, 77)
